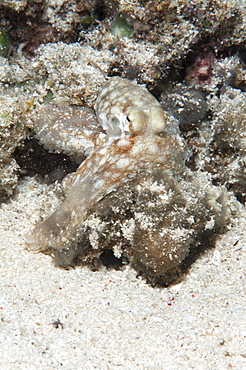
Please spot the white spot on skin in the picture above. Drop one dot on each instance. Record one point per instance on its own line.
(99, 184)
(122, 163)
(114, 175)
(103, 151)
(123, 142)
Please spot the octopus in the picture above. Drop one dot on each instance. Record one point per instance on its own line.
(123, 139)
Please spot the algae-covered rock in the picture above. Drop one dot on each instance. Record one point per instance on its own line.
(74, 73)
(9, 170)
(12, 132)
(165, 32)
(15, 5)
(230, 122)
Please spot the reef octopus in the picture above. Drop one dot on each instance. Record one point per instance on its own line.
(123, 140)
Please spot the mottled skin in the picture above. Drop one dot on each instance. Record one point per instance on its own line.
(134, 141)
(124, 108)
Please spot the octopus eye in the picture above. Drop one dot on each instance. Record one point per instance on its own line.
(137, 120)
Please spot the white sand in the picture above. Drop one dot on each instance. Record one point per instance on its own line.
(112, 320)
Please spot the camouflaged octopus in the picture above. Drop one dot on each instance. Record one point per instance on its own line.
(123, 138)
(123, 141)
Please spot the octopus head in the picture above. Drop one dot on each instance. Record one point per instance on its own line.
(124, 108)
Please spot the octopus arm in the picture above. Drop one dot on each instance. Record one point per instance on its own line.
(69, 129)
(97, 176)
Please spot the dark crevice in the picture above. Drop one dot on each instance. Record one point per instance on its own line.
(33, 160)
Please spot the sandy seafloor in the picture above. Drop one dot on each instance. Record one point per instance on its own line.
(111, 319)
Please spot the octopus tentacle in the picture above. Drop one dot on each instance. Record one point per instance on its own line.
(68, 129)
